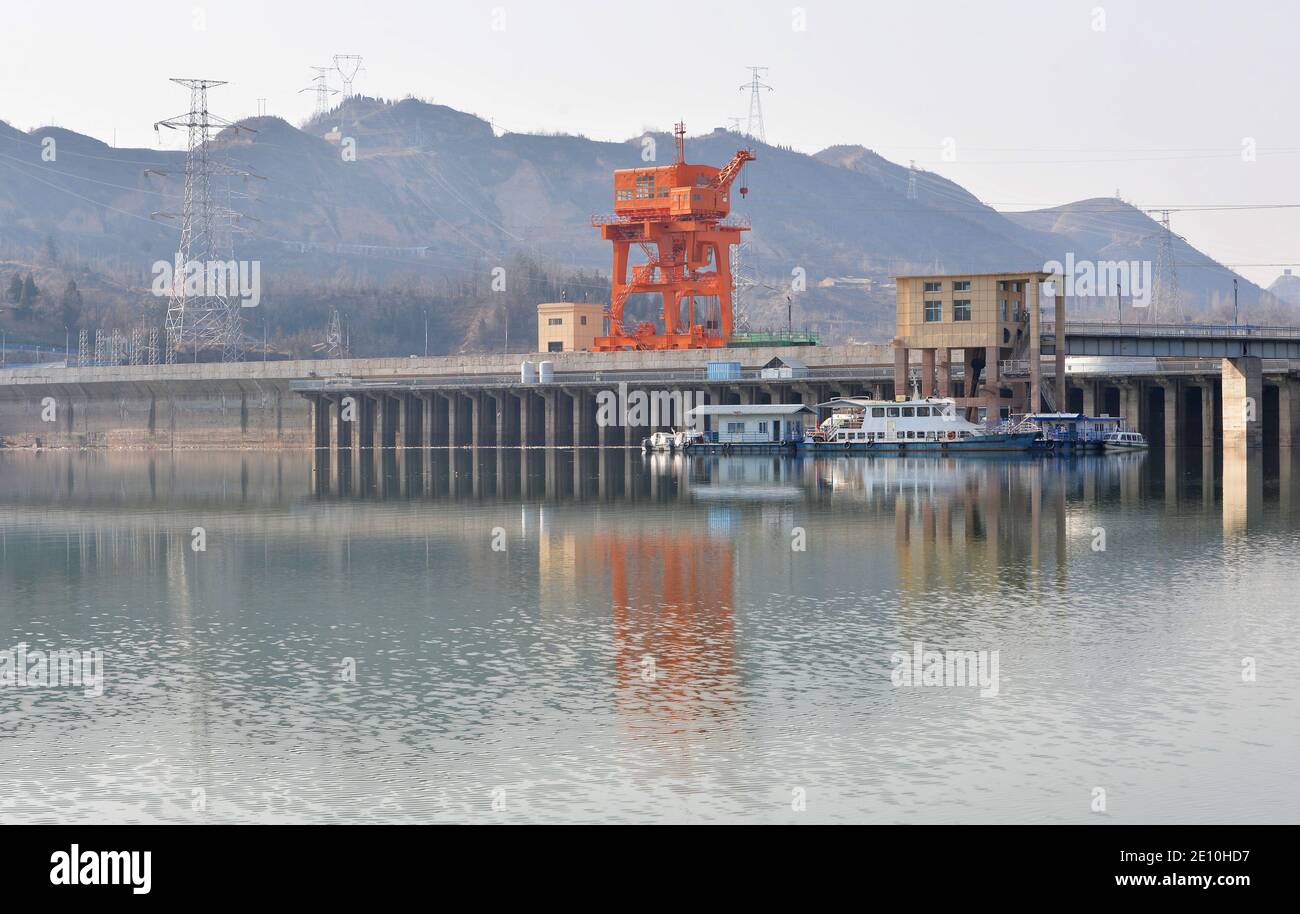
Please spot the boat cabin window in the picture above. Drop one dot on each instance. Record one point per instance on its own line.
(908, 412)
(922, 412)
(892, 412)
(877, 412)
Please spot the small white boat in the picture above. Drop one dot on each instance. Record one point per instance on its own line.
(668, 442)
(1124, 441)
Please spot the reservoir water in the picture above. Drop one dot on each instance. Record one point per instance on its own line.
(508, 636)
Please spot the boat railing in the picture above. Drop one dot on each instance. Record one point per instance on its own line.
(748, 438)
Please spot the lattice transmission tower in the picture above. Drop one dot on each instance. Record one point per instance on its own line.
(334, 345)
(1166, 299)
(206, 317)
(321, 86)
(347, 66)
(756, 88)
(742, 285)
(911, 180)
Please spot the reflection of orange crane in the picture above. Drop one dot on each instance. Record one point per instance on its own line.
(673, 593)
(673, 212)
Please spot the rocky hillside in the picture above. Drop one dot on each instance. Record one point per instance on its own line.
(408, 195)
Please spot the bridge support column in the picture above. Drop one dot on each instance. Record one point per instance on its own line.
(1243, 402)
(343, 421)
(1130, 404)
(552, 418)
(584, 418)
(1036, 384)
(498, 400)
(945, 373)
(927, 372)
(1059, 380)
(1288, 414)
(527, 418)
(476, 419)
(368, 411)
(391, 421)
(320, 421)
(438, 420)
(1207, 414)
(453, 440)
(1173, 409)
(1090, 398)
(900, 370)
(426, 420)
(410, 420)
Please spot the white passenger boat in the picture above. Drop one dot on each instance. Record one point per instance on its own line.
(1125, 441)
(907, 426)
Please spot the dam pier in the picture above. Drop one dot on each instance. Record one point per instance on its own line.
(1238, 387)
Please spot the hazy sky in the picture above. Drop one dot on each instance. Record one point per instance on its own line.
(1044, 102)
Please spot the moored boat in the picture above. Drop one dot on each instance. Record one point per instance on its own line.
(908, 426)
(1125, 441)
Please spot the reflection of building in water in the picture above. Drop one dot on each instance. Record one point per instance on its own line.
(557, 569)
(747, 479)
(959, 524)
(672, 595)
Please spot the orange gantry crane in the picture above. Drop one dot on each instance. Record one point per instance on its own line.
(675, 214)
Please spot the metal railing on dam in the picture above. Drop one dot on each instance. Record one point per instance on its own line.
(1226, 341)
(594, 378)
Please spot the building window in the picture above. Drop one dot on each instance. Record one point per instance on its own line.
(934, 287)
(735, 428)
(1004, 309)
(933, 311)
(623, 195)
(1002, 285)
(762, 428)
(583, 320)
(555, 346)
(555, 322)
(961, 309)
(645, 186)
(1015, 287)
(961, 285)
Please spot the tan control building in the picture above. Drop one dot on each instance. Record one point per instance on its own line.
(991, 322)
(567, 326)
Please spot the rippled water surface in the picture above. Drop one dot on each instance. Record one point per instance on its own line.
(549, 637)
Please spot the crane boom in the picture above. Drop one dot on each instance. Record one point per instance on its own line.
(728, 173)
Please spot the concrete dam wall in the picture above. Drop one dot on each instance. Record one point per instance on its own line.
(251, 404)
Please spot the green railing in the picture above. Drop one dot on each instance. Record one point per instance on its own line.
(774, 338)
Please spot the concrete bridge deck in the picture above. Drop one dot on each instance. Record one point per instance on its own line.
(1223, 341)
